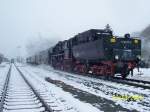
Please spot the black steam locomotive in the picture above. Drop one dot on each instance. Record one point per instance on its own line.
(95, 51)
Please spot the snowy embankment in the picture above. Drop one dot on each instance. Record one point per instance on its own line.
(98, 87)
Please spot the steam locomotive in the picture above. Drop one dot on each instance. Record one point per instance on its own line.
(96, 51)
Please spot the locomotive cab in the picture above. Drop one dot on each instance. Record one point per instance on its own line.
(127, 49)
(126, 54)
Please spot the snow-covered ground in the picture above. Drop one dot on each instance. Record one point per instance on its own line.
(4, 67)
(93, 87)
(143, 74)
(20, 97)
(61, 99)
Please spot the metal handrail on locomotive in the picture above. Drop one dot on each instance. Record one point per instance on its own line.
(97, 51)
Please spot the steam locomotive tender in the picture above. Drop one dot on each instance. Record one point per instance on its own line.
(97, 51)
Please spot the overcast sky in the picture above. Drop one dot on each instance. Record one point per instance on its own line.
(23, 20)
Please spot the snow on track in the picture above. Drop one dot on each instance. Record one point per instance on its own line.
(4, 68)
(99, 88)
(19, 96)
(56, 97)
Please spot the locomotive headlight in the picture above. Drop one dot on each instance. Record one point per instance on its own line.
(116, 57)
(136, 41)
(113, 40)
(138, 56)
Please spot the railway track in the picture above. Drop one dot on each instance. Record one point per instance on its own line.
(20, 96)
(5, 89)
(130, 82)
(49, 95)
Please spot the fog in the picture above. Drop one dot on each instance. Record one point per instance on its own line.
(21, 21)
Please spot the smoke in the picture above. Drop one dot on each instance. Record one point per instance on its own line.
(37, 44)
(145, 37)
(145, 34)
